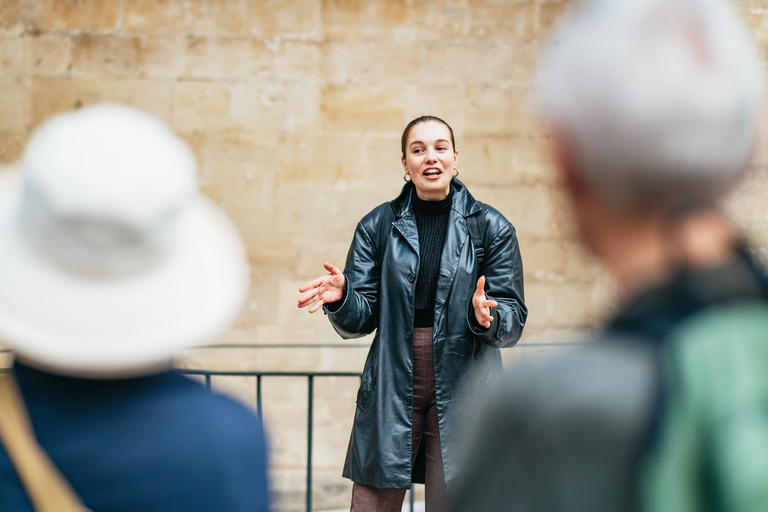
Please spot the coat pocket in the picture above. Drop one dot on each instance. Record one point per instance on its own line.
(368, 380)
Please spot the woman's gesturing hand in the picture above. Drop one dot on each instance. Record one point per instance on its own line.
(323, 290)
(482, 304)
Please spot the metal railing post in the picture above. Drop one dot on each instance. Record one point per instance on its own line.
(310, 388)
(258, 395)
(207, 374)
(412, 486)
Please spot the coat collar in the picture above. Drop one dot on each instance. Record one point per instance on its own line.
(653, 312)
(463, 202)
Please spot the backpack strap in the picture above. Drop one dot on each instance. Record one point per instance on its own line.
(46, 487)
(477, 225)
(383, 226)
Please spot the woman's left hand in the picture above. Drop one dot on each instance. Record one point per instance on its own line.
(482, 304)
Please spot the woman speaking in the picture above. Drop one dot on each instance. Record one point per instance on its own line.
(439, 277)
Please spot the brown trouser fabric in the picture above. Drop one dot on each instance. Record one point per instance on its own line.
(370, 499)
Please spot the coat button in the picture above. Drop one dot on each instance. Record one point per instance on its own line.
(408, 335)
(407, 400)
(411, 278)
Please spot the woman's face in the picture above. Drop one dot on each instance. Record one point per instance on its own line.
(430, 160)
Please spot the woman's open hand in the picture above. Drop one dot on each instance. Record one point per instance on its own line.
(482, 304)
(323, 290)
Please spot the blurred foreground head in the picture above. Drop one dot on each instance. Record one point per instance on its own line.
(110, 258)
(655, 102)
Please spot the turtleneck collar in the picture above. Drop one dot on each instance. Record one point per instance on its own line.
(433, 207)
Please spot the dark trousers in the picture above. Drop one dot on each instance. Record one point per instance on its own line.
(370, 499)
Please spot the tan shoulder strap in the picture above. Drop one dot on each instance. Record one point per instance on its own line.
(47, 488)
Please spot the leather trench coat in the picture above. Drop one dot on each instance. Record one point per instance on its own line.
(380, 295)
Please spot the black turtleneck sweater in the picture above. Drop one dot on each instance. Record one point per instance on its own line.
(432, 223)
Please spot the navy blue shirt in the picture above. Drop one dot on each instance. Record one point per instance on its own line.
(160, 442)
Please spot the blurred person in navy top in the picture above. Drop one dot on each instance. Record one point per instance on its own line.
(110, 260)
(159, 442)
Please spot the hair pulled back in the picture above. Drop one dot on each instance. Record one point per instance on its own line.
(419, 120)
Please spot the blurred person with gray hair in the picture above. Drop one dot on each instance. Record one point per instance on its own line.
(110, 260)
(655, 108)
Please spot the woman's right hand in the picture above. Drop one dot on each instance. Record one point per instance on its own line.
(323, 290)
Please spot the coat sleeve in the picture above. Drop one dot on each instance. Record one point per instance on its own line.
(503, 270)
(357, 315)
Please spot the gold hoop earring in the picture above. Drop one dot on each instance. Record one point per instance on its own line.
(455, 171)
(407, 177)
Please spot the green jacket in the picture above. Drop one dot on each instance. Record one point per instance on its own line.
(712, 452)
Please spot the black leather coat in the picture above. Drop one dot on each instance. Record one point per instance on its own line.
(380, 296)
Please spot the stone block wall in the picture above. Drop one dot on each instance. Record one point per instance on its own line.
(294, 109)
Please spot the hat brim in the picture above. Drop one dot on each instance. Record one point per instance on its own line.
(120, 326)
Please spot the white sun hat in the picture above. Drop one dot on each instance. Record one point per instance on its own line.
(110, 257)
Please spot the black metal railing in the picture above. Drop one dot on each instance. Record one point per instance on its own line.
(207, 374)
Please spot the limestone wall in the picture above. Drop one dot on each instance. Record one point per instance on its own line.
(294, 109)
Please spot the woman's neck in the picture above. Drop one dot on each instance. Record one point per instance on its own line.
(437, 205)
(433, 195)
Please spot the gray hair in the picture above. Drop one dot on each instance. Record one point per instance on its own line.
(659, 99)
